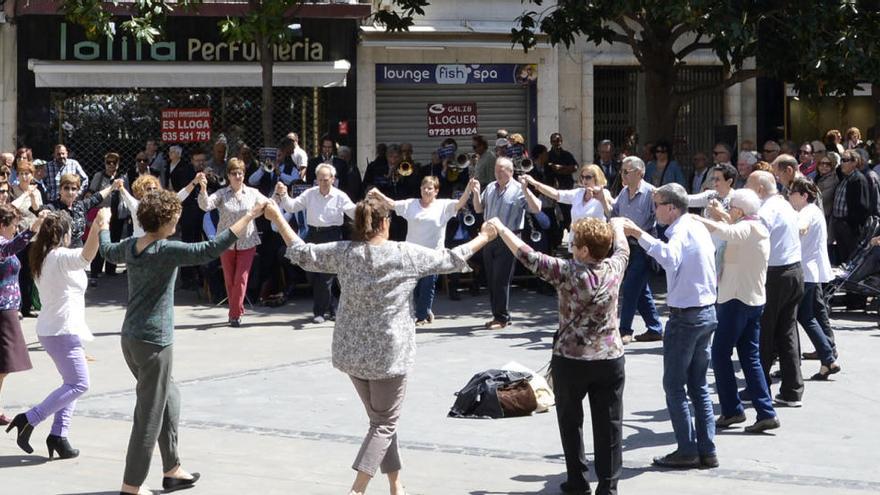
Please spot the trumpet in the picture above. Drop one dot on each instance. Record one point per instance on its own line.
(462, 161)
(535, 235)
(268, 167)
(523, 166)
(469, 219)
(405, 169)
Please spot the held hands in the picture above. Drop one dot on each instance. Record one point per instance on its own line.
(875, 241)
(102, 219)
(258, 209)
(630, 228)
(489, 230)
(496, 224)
(35, 227)
(202, 180)
(475, 186)
(118, 184)
(272, 212)
(716, 211)
(280, 189)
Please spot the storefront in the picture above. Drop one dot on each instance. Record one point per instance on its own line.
(424, 104)
(446, 79)
(97, 96)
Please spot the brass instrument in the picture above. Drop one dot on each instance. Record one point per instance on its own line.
(469, 219)
(535, 235)
(454, 168)
(268, 167)
(524, 166)
(405, 169)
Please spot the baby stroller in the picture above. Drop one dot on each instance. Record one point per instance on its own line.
(861, 273)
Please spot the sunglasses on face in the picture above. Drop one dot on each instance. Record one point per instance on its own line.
(826, 163)
(111, 162)
(587, 177)
(847, 160)
(4, 191)
(142, 160)
(627, 171)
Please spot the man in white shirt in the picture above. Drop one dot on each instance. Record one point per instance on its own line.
(785, 288)
(689, 260)
(325, 208)
(299, 155)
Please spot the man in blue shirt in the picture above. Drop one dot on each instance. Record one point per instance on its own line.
(689, 261)
(506, 199)
(634, 202)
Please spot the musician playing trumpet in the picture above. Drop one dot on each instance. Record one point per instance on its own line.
(426, 219)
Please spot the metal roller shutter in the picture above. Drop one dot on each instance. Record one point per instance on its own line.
(401, 113)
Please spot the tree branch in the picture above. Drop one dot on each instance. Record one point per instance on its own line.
(735, 78)
(630, 38)
(691, 48)
(680, 30)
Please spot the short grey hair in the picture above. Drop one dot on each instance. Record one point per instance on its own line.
(328, 167)
(746, 200)
(674, 194)
(765, 180)
(635, 162)
(176, 149)
(784, 161)
(505, 162)
(750, 157)
(834, 157)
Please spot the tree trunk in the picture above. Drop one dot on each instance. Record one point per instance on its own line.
(662, 107)
(266, 63)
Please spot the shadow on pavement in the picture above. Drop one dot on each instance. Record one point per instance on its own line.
(7, 461)
(551, 485)
(645, 437)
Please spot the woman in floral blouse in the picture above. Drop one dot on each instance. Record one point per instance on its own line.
(13, 351)
(587, 348)
(234, 202)
(374, 337)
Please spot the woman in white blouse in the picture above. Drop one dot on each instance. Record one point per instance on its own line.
(374, 335)
(234, 201)
(59, 273)
(803, 195)
(143, 185)
(590, 200)
(741, 298)
(426, 226)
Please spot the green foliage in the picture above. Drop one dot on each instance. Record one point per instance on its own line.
(269, 19)
(388, 16)
(146, 21)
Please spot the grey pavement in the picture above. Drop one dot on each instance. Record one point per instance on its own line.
(265, 412)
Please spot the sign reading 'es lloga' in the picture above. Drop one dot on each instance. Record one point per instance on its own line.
(452, 119)
(186, 125)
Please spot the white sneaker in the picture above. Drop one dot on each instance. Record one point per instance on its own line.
(779, 401)
(318, 319)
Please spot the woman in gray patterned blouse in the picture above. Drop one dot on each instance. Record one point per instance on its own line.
(374, 337)
(587, 348)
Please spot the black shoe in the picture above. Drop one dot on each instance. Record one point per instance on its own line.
(648, 337)
(174, 484)
(566, 488)
(677, 461)
(24, 430)
(764, 425)
(235, 322)
(709, 461)
(825, 372)
(728, 421)
(61, 446)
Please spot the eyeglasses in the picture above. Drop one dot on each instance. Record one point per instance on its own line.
(847, 160)
(4, 191)
(825, 162)
(626, 171)
(587, 177)
(142, 160)
(111, 162)
(769, 151)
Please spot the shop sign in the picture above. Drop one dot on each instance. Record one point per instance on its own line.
(452, 119)
(456, 73)
(186, 125)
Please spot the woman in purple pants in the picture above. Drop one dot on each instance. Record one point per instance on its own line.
(59, 273)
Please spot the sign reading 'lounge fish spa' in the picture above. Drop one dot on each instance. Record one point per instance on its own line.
(456, 73)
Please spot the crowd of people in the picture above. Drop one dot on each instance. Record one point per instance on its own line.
(745, 243)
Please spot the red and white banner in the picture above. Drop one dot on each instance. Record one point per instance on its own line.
(452, 119)
(186, 125)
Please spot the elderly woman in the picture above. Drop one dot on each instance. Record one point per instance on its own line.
(142, 186)
(663, 169)
(13, 351)
(426, 226)
(234, 201)
(374, 337)
(722, 179)
(68, 200)
(61, 327)
(741, 299)
(590, 200)
(28, 199)
(745, 165)
(587, 348)
(851, 205)
(826, 179)
(803, 196)
(152, 263)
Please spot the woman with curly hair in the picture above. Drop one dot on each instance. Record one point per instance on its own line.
(148, 329)
(141, 186)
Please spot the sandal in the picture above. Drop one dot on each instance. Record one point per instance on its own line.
(825, 372)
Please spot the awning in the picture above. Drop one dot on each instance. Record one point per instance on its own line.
(51, 74)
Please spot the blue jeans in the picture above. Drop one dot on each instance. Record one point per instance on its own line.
(685, 362)
(424, 296)
(636, 293)
(739, 326)
(806, 316)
